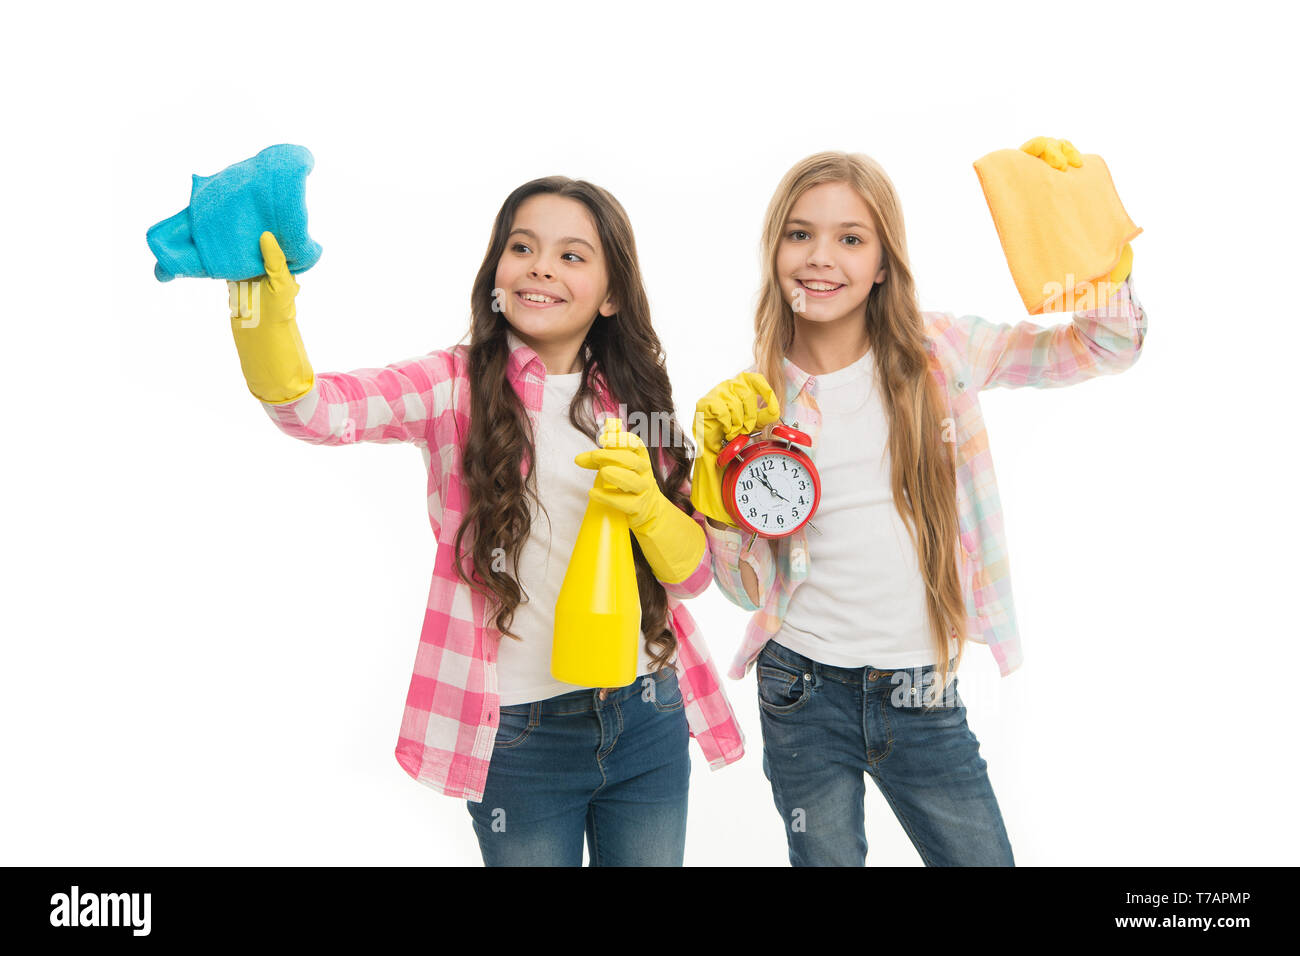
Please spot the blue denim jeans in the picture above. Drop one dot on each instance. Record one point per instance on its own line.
(615, 771)
(825, 726)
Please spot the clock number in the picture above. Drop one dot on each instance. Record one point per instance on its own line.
(776, 515)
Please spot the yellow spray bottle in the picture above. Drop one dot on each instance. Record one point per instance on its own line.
(598, 611)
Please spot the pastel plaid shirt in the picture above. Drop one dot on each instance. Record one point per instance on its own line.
(451, 716)
(968, 354)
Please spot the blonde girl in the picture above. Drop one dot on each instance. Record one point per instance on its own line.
(859, 624)
(560, 337)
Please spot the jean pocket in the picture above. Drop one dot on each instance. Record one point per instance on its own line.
(782, 688)
(664, 691)
(516, 725)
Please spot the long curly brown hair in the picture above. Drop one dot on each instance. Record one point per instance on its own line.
(624, 351)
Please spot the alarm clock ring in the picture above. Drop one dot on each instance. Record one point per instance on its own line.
(770, 486)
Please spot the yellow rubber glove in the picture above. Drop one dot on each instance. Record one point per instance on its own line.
(670, 539)
(1057, 153)
(1060, 153)
(729, 410)
(263, 320)
(1121, 271)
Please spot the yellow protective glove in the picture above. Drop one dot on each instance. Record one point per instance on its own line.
(1057, 153)
(1060, 153)
(1125, 266)
(263, 320)
(729, 410)
(670, 539)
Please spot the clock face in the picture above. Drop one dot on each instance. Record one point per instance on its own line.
(774, 493)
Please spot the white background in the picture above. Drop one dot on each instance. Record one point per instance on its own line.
(209, 628)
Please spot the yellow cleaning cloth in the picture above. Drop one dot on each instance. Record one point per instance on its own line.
(1060, 229)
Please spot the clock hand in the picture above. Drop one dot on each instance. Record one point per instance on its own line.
(768, 486)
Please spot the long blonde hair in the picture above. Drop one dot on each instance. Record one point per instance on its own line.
(922, 463)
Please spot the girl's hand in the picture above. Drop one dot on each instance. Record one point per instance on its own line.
(1061, 154)
(262, 318)
(1125, 266)
(732, 409)
(729, 410)
(626, 475)
(268, 297)
(673, 544)
(1057, 153)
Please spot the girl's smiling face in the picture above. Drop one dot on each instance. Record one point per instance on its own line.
(830, 254)
(552, 273)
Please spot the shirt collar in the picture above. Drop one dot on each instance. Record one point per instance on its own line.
(796, 378)
(523, 358)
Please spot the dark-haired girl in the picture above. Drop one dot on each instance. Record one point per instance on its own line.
(560, 337)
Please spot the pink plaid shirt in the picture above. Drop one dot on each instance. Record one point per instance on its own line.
(451, 716)
(972, 354)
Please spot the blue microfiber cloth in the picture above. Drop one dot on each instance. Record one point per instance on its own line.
(217, 235)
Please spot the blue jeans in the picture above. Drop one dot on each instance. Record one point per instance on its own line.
(615, 770)
(824, 726)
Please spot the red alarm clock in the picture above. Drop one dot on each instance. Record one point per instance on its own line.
(770, 487)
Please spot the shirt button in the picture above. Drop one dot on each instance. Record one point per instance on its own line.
(961, 386)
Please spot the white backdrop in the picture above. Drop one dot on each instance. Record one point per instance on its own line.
(196, 672)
